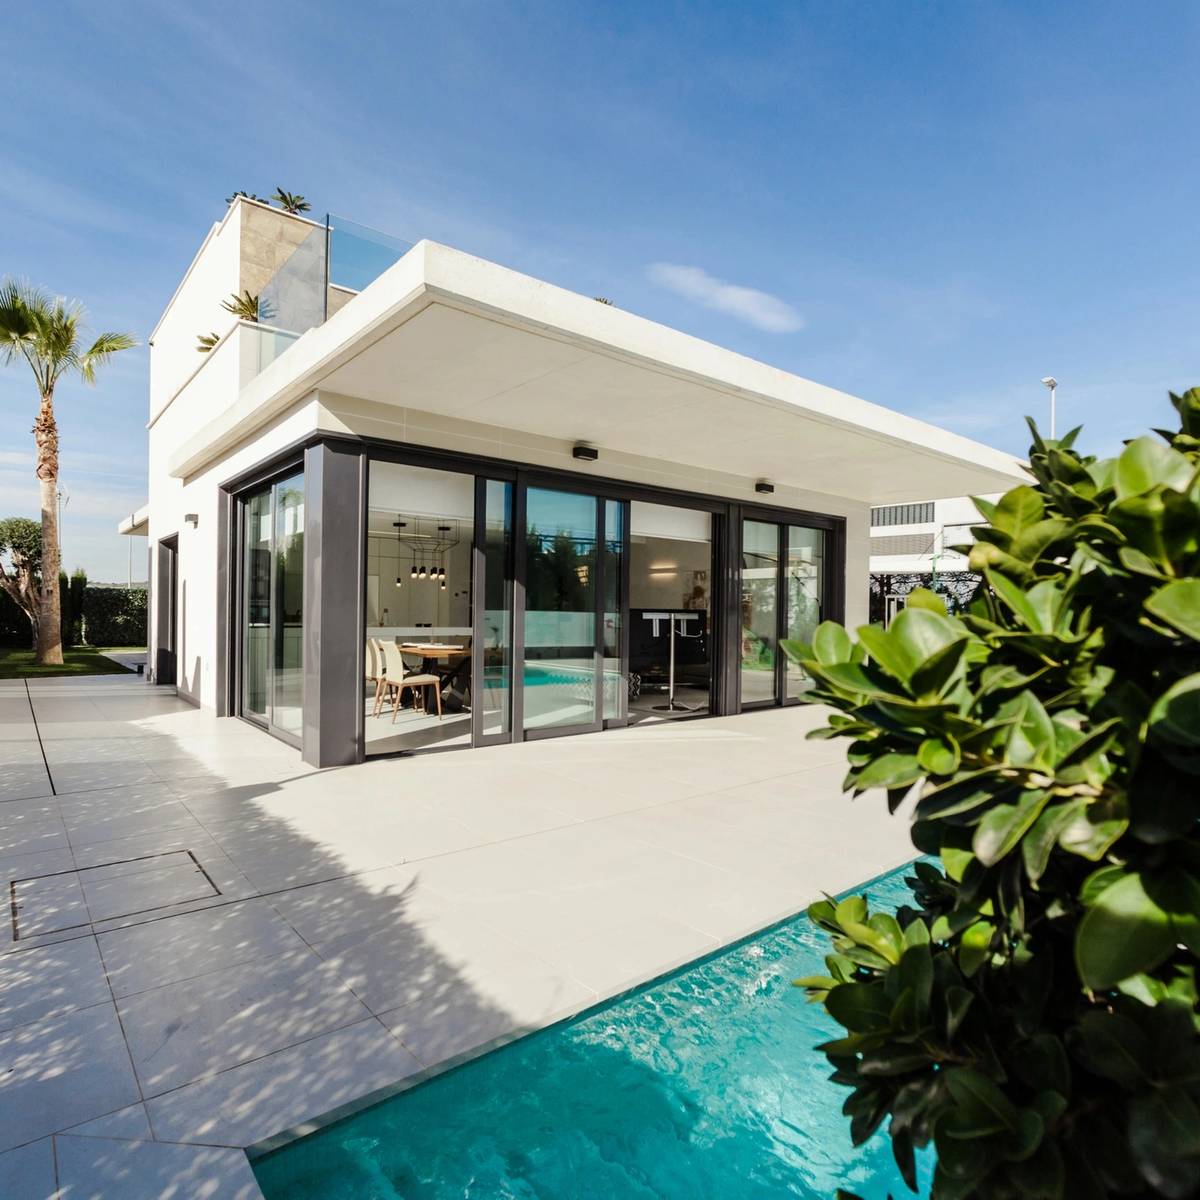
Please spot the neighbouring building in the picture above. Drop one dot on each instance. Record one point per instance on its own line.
(425, 501)
(919, 545)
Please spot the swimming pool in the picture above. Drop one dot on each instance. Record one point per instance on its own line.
(703, 1085)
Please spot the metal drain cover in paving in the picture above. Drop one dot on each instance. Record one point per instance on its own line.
(129, 887)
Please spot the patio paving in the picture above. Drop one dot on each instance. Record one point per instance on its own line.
(211, 943)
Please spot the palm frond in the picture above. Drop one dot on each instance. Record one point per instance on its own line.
(46, 331)
(101, 351)
(244, 306)
(291, 202)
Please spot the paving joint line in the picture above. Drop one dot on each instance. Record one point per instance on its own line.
(41, 744)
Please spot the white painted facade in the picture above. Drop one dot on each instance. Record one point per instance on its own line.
(446, 351)
(926, 546)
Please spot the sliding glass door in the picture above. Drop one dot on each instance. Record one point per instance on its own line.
(573, 675)
(782, 593)
(272, 606)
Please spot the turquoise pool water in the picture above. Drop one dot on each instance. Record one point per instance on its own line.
(702, 1086)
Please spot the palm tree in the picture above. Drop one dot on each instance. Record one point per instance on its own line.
(47, 333)
(291, 202)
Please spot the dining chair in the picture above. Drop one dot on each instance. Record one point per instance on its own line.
(375, 671)
(397, 677)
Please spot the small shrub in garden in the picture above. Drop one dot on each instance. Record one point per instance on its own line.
(1033, 1014)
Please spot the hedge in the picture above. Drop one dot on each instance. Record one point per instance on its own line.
(112, 616)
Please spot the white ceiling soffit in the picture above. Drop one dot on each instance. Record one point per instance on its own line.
(445, 333)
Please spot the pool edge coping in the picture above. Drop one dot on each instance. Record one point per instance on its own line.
(293, 1133)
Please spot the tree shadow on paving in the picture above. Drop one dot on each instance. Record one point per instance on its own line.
(245, 1009)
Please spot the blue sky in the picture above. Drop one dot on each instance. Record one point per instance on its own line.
(929, 205)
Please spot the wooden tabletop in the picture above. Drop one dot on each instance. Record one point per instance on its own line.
(433, 649)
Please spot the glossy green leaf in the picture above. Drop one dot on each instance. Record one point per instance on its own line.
(924, 598)
(1178, 604)
(1114, 1047)
(939, 756)
(860, 1007)
(889, 771)
(1147, 462)
(1002, 827)
(1122, 934)
(1175, 717)
(831, 643)
(1017, 511)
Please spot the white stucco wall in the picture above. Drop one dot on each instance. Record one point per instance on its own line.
(195, 309)
(170, 500)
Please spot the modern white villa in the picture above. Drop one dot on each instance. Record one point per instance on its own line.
(427, 502)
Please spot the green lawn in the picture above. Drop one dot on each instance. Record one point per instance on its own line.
(80, 660)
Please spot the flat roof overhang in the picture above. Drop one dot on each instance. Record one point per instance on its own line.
(445, 333)
(137, 524)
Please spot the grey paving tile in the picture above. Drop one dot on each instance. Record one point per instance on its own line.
(181, 947)
(272, 1094)
(50, 980)
(179, 878)
(129, 1123)
(48, 904)
(91, 1168)
(27, 1173)
(61, 1071)
(182, 1031)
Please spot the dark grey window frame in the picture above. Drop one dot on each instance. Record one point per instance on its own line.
(231, 584)
(833, 584)
(347, 510)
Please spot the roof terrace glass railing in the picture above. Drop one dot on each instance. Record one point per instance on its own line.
(329, 265)
(358, 255)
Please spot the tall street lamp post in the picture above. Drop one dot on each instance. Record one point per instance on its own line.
(1051, 383)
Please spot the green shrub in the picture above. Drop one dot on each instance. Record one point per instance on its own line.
(15, 629)
(1033, 1014)
(78, 586)
(114, 616)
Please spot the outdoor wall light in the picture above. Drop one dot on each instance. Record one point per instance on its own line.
(192, 519)
(763, 488)
(585, 453)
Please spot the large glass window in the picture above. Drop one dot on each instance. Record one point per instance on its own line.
(670, 611)
(420, 534)
(560, 609)
(256, 602)
(272, 635)
(760, 631)
(615, 690)
(804, 573)
(496, 718)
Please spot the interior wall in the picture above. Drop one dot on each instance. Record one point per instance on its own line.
(413, 602)
(683, 579)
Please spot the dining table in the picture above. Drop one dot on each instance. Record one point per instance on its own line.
(450, 663)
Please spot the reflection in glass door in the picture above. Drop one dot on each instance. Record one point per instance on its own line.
(803, 571)
(783, 569)
(562, 535)
(760, 620)
(272, 633)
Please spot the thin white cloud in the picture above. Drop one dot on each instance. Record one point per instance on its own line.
(760, 309)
